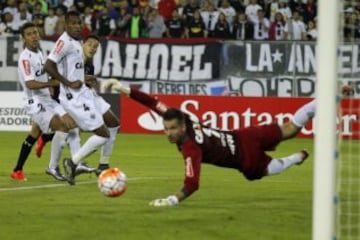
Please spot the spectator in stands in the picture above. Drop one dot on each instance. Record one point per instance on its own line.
(123, 23)
(312, 32)
(50, 22)
(156, 24)
(88, 19)
(112, 12)
(190, 8)
(222, 27)
(261, 26)
(11, 8)
(166, 7)
(105, 25)
(273, 9)
(210, 16)
(137, 24)
(38, 18)
(238, 5)
(310, 11)
(81, 5)
(60, 24)
(228, 11)
(195, 28)
(251, 10)
(175, 27)
(242, 29)
(352, 23)
(295, 28)
(8, 26)
(99, 5)
(23, 15)
(277, 28)
(285, 10)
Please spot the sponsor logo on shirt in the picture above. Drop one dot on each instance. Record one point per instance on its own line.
(59, 46)
(27, 68)
(79, 65)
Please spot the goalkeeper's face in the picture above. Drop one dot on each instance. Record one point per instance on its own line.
(175, 130)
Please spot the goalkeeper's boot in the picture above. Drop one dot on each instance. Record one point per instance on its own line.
(40, 144)
(18, 175)
(102, 167)
(70, 169)
(84, 168)
(55, 173)
(305, 155)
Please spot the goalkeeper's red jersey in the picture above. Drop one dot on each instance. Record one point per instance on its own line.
(239, 149)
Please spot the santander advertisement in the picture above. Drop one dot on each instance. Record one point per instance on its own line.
(229, 113)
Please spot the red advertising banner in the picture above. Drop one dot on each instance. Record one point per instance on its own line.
(218, 112)
(228, 113)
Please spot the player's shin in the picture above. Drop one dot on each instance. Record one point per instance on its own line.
(90, 146)
(57, 145)
(107, 148)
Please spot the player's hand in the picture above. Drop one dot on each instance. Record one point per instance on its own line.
(76, 84)
(164, 202)
(90, 81)
(115, 84)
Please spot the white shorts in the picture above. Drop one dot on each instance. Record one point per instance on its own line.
(82, 108)
(101, 105)
(42, 112)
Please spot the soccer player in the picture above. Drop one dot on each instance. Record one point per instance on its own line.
(76, 98)
(43, 110)
(243, 149)
(90, 46)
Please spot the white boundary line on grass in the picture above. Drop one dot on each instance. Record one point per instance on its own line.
(66, 184)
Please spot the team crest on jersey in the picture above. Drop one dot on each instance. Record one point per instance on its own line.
(59, 46)
(27, 68)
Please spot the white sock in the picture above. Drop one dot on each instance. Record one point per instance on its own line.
(89, 147)
(107, 148)
(304, 113)
(277, 166)
(73, 140)
(57, 145)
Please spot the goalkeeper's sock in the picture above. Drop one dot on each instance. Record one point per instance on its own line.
(107, 148)
(89, 147)
(304, 114)
(277, 166)
(24, 152)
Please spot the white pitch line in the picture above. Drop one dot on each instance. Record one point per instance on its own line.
(66, 184)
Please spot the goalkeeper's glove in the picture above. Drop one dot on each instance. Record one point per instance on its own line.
(115, 85)
(162, 202)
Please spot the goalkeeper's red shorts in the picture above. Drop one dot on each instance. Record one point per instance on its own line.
(254, 141)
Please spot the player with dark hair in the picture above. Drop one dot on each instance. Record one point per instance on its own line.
(43, 110)
(90, 46)
(242, 149)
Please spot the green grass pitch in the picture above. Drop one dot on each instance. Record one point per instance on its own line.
(225, 207)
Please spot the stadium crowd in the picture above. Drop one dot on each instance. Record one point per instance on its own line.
(224, 19)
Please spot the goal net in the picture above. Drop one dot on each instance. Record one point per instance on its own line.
(336, 205)
(348, 167)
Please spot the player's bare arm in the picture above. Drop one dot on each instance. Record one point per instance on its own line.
(33, 84)
(51, 68)
(90, 80)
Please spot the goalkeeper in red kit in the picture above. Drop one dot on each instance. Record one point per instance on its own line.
(242, 149)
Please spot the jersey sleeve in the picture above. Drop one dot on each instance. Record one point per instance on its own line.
(149, 101)
(59, 51)
(26, 69)
(192, 155)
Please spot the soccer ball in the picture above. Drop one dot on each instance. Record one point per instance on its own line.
(112, 182)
